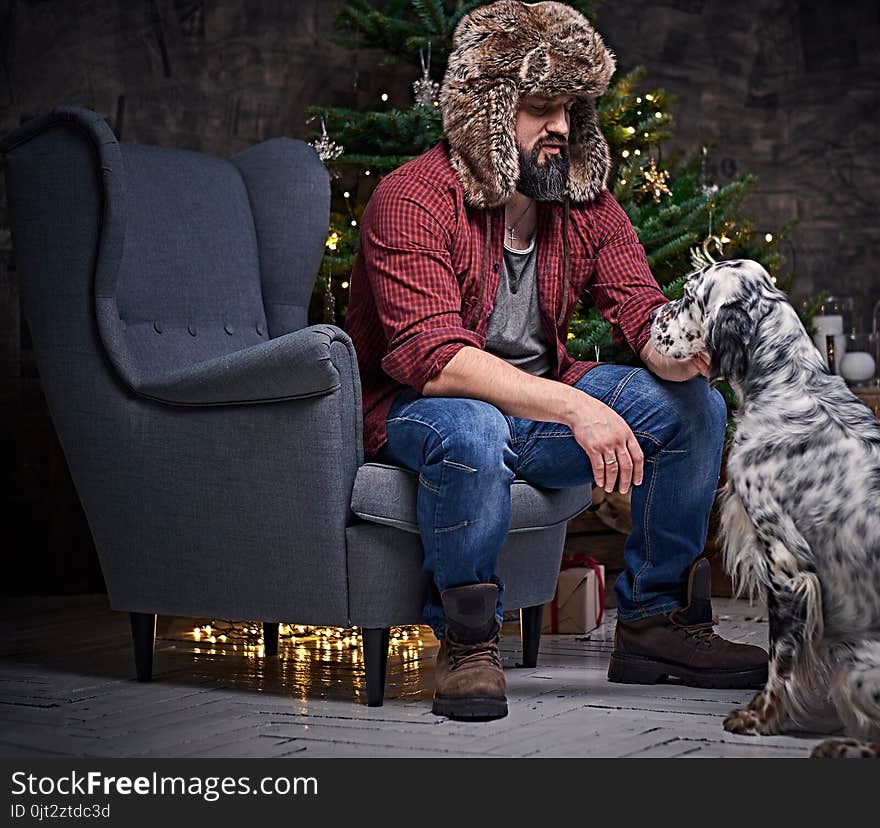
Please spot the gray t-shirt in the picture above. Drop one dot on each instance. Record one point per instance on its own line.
(515, 333)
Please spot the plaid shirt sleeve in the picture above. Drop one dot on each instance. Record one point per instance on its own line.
(405, 238)
(625, 290)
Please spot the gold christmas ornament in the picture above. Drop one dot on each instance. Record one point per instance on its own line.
(655, 181)
(701, 257)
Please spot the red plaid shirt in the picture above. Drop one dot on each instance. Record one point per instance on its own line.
(424, 257)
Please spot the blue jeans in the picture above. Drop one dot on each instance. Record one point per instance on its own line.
(467, 453)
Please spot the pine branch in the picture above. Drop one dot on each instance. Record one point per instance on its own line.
(675, 288)
(393, 132)
(433, 15)
(672, 248)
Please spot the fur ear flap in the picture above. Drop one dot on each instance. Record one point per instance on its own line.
(728, 338)
(589, 153)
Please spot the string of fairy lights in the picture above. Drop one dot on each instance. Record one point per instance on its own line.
(248, 636)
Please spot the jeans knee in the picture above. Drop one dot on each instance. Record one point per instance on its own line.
(702, 413)
(474, 437)
(686, 414)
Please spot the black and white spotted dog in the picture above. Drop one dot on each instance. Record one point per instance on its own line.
(801, 508)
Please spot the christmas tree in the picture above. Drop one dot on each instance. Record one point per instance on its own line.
(683, 219)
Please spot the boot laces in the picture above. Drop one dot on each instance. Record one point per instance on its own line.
(484, 652)
(703, 632)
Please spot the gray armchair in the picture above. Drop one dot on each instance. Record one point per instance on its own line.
(213, 436)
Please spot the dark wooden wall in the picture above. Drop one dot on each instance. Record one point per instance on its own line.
(787, 90)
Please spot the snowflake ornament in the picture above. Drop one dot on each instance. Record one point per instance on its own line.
(655, 181)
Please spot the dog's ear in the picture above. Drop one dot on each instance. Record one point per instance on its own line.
(728, 337)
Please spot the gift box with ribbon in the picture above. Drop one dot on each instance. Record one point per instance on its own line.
(579, 603)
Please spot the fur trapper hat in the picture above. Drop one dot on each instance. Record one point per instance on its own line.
(502, 51)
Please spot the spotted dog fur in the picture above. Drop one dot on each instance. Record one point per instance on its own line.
(801, 508)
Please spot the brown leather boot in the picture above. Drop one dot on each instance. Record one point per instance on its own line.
(683, 644)
(470, 683)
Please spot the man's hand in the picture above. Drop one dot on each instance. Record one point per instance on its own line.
(614, 452)
(674, 370)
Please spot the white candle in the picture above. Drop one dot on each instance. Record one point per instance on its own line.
(831, 324)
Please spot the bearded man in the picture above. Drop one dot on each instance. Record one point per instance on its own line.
(472, 257)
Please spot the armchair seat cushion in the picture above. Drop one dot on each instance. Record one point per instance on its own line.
(386, 494)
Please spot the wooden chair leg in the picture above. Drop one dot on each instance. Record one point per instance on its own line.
(143, 633)
(530, 620)
(270, 638)
(375, 662)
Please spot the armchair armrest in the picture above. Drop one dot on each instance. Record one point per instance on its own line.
(292, 366)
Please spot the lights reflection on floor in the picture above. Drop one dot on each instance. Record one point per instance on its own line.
(312, 662)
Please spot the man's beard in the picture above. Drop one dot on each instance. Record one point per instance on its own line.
(547, 181)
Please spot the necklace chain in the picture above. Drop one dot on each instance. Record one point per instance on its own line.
(511, 228)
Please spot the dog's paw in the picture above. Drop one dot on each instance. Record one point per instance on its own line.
(741, 721)
(846, 749)
(744, 722)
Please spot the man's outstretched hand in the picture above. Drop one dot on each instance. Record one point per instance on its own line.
(674, 370)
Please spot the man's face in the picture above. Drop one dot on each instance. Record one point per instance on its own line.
(542, 126)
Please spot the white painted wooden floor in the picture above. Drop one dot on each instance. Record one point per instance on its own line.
(67, 689)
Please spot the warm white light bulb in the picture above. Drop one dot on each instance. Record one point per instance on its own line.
(768, 238)
(384, 96)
